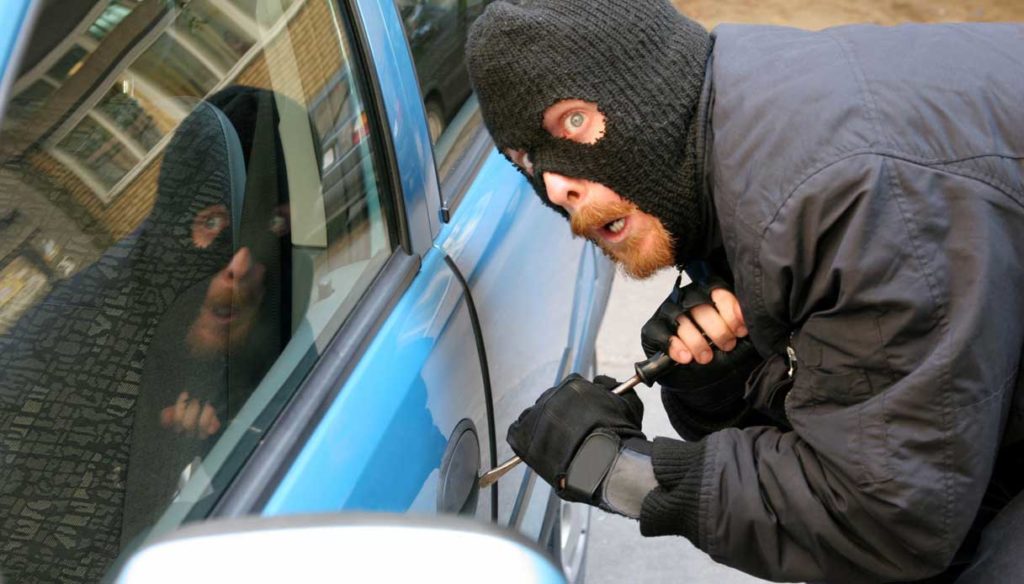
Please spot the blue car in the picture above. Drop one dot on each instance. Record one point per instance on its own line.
(239, 276)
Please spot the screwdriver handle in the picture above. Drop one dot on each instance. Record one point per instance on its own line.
(647, 371)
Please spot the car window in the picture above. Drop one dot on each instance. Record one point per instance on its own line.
(192, 201)
(436, 31)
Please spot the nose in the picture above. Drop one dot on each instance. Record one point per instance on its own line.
(567, 193)
(240, 264)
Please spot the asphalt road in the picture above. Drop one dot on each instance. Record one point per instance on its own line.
(618, 553)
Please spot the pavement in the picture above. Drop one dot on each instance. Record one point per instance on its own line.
(617, 552)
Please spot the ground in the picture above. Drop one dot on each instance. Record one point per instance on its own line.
(618, 553)
(825, 13)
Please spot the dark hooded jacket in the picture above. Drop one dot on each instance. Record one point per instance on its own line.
(869, 185)
(85, 374)
(161, 460)
(71, 370)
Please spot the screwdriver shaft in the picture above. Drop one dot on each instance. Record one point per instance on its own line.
(490, 477)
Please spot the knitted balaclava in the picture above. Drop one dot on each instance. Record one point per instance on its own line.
(640, 61)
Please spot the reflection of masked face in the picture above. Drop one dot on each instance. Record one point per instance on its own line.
(243, 232)
(229, 238)
(232, 321)
(247, 300)
(196, 175)
(230, 307)
(234, 244)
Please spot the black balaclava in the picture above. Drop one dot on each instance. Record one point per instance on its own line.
(224, 380)
(640, 61)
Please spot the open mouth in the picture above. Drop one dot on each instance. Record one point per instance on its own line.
(614, 231)
(223, 313)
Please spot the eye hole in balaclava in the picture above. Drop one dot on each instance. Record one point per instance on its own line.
(570, 120)
(208, 224)
(642, 63)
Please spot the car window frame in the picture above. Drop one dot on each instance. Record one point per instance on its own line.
(463, 161)
(239, 483)
(249, 483)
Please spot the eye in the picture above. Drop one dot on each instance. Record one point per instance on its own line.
(575, 122)
(526, 164)
(208, 224)
(280, 223)
(521, 159)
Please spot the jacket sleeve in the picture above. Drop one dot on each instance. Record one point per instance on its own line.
(887, 274)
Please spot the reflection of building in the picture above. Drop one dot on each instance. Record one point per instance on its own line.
(100, 93)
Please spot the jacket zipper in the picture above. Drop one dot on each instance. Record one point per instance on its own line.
(791, 356)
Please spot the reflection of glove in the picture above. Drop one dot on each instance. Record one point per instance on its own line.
(572, 435)
(662, 326)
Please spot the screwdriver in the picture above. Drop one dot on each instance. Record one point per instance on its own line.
(647, 372)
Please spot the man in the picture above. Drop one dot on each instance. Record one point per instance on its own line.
(860, 189)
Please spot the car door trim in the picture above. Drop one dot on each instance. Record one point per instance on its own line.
(20, 23)
(378, 119)
(284, 439)
(458, 180)
(372, 34)
(485, 371)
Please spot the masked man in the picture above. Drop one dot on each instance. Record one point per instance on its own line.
(858, 192)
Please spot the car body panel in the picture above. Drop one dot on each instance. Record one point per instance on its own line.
(425, 352)
(16, 13)
(380, 443)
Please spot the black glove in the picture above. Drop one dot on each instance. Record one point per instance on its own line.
(571, 436)
(663, 324)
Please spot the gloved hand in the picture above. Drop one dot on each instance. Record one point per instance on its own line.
(659, 330)
(573, 433)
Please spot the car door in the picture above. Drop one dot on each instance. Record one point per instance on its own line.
(539, 293)
(376, 392)
(154, 154)
(537, 296)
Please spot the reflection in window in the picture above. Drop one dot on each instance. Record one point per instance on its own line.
(436, 31)
(112, 16)
(26, 103)
(126, 113)
(180, 237)
(69, 64)
(208, 31)
(92, 147)
(173, 70)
